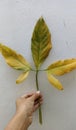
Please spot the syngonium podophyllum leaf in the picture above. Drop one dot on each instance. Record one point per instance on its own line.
(55, 82)
(16, 61)
(22, 77)
(40, 42)
(58, 68)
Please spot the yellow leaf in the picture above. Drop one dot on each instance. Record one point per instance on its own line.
(61, 67)
(54, 81)
(0, 49)
(40, 42)
(22, 77)
(13, 59)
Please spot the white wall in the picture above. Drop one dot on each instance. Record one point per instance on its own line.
(17, 20)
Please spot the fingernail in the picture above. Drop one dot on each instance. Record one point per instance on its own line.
(38, 92)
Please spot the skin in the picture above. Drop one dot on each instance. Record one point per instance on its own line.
(25, 106)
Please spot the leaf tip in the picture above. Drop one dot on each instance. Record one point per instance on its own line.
(17, 82)
(62, 88)
(41, 18)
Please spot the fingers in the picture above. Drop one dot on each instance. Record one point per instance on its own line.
(27, 95)
(38, 101)
(37, 105)
(36, 96)
(33, 96)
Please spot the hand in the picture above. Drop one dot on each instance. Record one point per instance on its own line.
(27, 104)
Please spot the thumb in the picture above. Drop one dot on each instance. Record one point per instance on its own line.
(36, 95)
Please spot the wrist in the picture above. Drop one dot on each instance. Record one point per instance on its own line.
(23, 119)
(18, 122)
(21, 114)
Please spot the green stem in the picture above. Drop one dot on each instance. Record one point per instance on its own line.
(37, 85)
(37, 80)
(38, 70)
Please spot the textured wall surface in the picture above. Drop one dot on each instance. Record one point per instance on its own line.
(17, 20)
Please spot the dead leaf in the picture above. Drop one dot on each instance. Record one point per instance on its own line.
(41, 42)
(13, 59)
(22, 77)
(62, 67)
(55, 82)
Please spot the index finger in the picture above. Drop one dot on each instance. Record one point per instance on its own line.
(27, 95)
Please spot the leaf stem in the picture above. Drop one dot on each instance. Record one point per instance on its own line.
(38, 70)
(37, 85)
(37, 80)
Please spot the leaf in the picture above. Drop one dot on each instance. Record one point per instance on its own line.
(13, 59)
(22, 77)
(54, 81)
(62, 66)
(40, 42)
(0, 49)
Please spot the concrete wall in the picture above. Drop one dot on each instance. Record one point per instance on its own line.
(17, 20)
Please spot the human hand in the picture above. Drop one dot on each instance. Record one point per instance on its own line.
(27, 104)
